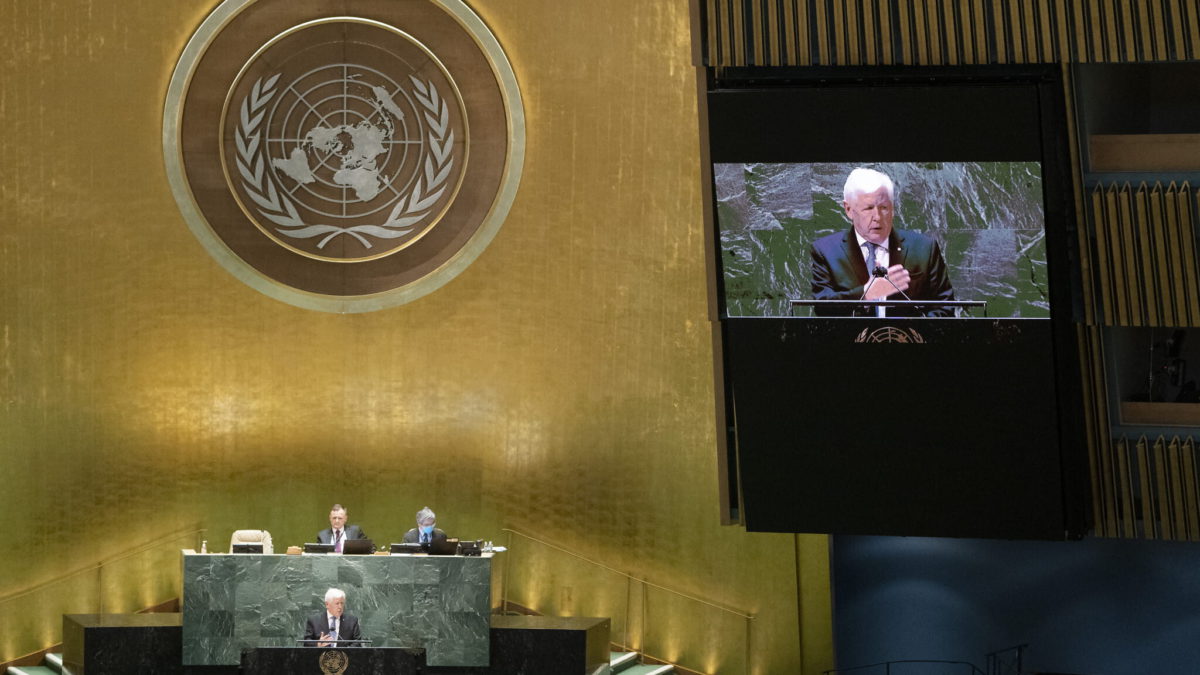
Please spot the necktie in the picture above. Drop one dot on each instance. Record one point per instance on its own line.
(333, 628)
(870, 261)
(337, 541)
(424, 537)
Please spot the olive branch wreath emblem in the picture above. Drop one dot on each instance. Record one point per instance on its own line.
(275, 205)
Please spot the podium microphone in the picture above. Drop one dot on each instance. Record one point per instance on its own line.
(882, 273)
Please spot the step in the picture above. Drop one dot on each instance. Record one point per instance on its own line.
(54, 661)
(648, 670)
(31, 670)
(622, 660)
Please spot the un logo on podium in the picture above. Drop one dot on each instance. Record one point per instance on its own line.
(344, 162)
(333, 663)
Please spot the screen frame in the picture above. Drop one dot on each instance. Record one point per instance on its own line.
(1060, 182)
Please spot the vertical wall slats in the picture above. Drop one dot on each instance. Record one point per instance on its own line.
(1117, 220)
(1146, 488)
(1145, 255)
(870, 32)
(938, 32)
(739, 28)
(1167, 484)
(1162, 309)
(1159, 24)
(1175, 486)
(1177, 48)
(1146, 282)
(1134, 15)
(919, 37)
(1171, 227)
(887, 45)
(760, 42)
(1108, 521)
(1133, 281)
(1193, 24)
(1127, 527)
(1103, 264)
(1187, 245)
(981, 36)
(1191, 490)
(1162, 495)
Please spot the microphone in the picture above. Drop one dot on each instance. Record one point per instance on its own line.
(879, 271)
(882, 273)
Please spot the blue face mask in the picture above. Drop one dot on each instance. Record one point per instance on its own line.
(426, 529)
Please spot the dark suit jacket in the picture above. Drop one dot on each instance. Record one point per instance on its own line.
(839, 273)
(325, 536)
(319, 623)
(413, 536)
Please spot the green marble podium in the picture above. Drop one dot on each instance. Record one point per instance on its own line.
(441, 604)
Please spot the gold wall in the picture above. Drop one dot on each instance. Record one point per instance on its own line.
(561, 386)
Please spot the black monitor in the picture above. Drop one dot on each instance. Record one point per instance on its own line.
(407, 548)
(247, 548)
(358, 547)
(443, 547)
(956, 419)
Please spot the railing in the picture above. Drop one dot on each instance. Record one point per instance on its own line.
(628, 604)
(1009, 661)
(897, 667)
(149, 574)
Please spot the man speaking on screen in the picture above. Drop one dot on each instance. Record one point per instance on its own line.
(874, 261)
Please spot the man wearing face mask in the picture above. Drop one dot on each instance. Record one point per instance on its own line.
(425, 532)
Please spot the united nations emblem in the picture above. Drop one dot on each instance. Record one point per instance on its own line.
(333, 663)
(344, 162)
(890, 334)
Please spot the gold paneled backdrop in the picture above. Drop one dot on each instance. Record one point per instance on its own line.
(561, 386)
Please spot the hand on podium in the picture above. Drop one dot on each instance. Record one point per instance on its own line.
(326, 640)
(879, 288)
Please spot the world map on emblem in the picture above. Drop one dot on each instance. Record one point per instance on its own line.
(344, 157)
(348, 151)
(340, 160)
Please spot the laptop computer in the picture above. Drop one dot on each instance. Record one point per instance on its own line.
(443, 547)
(358, 547)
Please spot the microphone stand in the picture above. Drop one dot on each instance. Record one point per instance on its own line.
(881, 273)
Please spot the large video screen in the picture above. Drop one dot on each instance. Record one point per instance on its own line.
(892, 298)
(967, 231)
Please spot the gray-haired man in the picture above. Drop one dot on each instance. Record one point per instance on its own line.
(334, 624)
(424, 532)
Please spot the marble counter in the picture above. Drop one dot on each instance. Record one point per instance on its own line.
(441, 604)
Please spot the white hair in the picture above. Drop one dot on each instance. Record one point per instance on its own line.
(866, 181)
(334, 594)
(425, 514)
